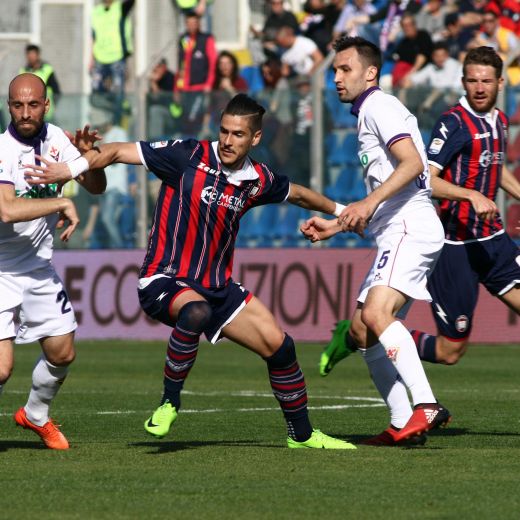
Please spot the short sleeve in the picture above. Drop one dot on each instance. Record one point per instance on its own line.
(447, 140)
(167, 159)
(6, 165)
(272, 189)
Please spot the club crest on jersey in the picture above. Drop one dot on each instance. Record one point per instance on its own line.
(55, 153)
(255, 189)
(158, 144)
(462, 323)
(392, 353)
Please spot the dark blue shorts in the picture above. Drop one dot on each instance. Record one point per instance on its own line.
(226, 302)
(454, 282)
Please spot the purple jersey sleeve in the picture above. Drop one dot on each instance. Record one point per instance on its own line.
(447, 139)
(168, 159)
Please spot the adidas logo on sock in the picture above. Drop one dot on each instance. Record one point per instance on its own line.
(430, 415)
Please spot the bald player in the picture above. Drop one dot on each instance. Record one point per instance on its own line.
(34, 305)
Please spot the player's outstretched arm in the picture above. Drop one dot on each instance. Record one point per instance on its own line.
(317, 228)
(509, 183)
(309, 199)
(95, 159)
(441, 189)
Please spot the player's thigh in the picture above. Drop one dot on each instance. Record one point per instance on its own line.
(512, 298)
(59, 350)
(255, 328)
(46, 309)
(454, 287)
(6, 359)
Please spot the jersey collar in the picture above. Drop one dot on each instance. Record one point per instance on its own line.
(246, 173)
(356, 106)
(33, 141)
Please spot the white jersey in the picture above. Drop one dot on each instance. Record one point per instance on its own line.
(382, 121)
(27, 246)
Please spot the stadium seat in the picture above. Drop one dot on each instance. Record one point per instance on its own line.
(350, 149)
(253, 77)
(339, 112)
(334, 149)
(247, 227)
(289, 226)
(342, 186)
(513, 149)
(267, 225)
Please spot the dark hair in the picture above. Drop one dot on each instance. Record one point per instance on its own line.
(483, 56)
(243, 105)
(31, 47)
(369, 53)
(274, 65)
(451, 19)
(441, 45)
(234, 71)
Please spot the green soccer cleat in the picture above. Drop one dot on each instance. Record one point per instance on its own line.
(159, 423)
(336, 349)
(321, 441)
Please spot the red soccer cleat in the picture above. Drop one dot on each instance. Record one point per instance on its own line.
(49, 432)
(425, 417)
(387, 438)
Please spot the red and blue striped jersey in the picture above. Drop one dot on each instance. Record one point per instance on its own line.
(469, 149)
(197, 213)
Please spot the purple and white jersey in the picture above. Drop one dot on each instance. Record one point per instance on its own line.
(382, 121)
(26, 246)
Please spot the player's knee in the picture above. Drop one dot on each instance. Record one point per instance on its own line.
(63, 357)
(195, 316)
(5, 373)
(371, 317)
(284, 355)
(450, 352)
(358, 331)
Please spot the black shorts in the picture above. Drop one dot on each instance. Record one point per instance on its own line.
(454, 283)
(226, 302)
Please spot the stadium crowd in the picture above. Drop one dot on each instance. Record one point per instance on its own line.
(424, 43)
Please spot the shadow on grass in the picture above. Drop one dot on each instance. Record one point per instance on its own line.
(173, 446)
(21, 445)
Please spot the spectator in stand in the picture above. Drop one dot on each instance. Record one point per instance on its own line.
(318, 23)
(412, 52)
(196, 75)
(431, 18)
(45, 71)
(382, 28)
(112, 44)
(434, 88)
(161, 82)
(300, 54)
(350, 11)
(277, 18)
(228, 83)
(456, 39)
(508, 12)
(277, 127)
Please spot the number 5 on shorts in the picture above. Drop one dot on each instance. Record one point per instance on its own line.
(384, 259)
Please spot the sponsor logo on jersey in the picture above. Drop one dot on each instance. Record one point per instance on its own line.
(364, 159)
(181, 284)
(443, 131)
(487, 158)
(55, 153)
(436, 146)
(482, 136)
(208, 169)
(159, 144)
(462, 323)
(211, 195)
(392, 353)
(39, 192)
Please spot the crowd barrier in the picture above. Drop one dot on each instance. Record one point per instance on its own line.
(307, 290)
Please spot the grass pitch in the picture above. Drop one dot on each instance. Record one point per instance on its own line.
(226, 457)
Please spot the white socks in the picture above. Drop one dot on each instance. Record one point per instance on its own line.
(401, 350)
(46, 381)
(388, 382)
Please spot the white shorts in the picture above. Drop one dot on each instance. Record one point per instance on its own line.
(407, 251)
(34, 305)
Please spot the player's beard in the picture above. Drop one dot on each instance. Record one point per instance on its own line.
(28, 132)
(483, 109)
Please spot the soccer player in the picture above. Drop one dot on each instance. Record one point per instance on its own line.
(399, 213)
(32, 294)
(185, 281)
(466, 156)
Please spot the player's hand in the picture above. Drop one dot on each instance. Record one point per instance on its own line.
(355, 216)
(84, 139)
(317, 228)
(485, 208)
(68, 214)
(47, 172)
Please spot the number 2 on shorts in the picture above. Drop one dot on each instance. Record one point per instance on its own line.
(64, 299)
